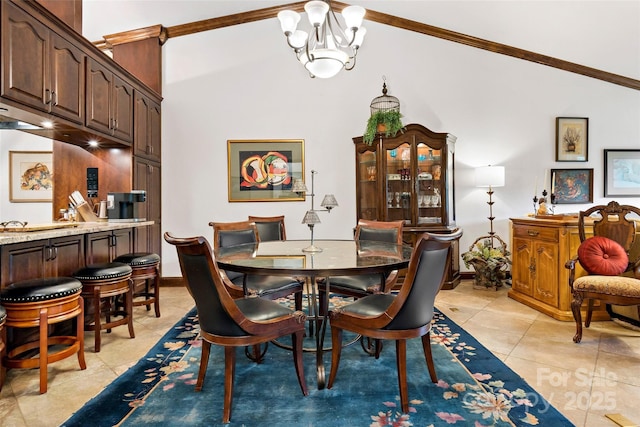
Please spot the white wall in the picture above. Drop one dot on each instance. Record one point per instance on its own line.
(243, 83)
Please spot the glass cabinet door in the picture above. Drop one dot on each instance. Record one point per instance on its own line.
(398, 188)
(367, 178)
(430, 185)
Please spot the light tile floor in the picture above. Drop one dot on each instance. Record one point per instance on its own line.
(584, 381)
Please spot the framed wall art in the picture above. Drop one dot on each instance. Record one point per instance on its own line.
(572, 185)
(621, 173)
(264, 170)
(572, 139)
(30, 176)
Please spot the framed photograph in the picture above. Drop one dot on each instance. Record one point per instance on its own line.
(572, 139)
(30, 176)
(621, 173)
(572, 186)
(265, 170)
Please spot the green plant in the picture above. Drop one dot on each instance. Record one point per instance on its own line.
(489, 262)
(391, 121)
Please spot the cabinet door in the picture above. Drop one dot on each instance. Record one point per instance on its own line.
(122, 109)
(122, 242)
(367, 188)
(67, 79)
(430, 185)
(147, 176)
(147, 128)
(24, 57)
(399, 191)
(67, 255)
(98, 247)
(546, 272)
(98, 97)
(521, 268)
(23, 261)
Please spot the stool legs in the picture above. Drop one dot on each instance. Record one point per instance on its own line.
(74, 344)
(97, 293)
(151, 277)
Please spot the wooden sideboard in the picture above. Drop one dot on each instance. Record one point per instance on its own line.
(540, 249)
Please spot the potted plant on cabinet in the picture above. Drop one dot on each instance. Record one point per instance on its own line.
(386, 122)
(489, 262)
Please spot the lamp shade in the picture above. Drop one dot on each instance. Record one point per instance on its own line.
(329, 202)
(299, 186)
(489, 176)
(311, 217)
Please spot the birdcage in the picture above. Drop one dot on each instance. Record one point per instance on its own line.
(384, 102)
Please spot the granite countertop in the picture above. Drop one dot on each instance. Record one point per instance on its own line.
(9, 237)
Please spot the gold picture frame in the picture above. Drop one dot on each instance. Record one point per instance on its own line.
(30, 176)
(572, 139)
(264, 170)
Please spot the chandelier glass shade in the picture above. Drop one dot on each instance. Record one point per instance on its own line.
(329, 46)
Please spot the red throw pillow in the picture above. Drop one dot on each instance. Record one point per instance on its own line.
(602, 256)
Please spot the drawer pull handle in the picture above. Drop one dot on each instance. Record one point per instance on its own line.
(532, 233)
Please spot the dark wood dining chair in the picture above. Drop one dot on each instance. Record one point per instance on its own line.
(613, 270)
(400, 316)
(228, 234)
(365, 284)
(232, 322)
(270, 227)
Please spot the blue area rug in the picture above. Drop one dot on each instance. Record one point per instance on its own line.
(474, 389)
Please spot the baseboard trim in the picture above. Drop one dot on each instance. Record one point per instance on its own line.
(171, 281)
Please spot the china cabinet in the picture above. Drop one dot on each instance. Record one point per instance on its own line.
(410, 177)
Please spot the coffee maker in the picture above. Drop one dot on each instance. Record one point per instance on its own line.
(125, 207)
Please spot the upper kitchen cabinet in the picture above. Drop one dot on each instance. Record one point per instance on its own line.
(41, 68)
(147, 120)
(109, 102)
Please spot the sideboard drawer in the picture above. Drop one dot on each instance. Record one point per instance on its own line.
(541, 233)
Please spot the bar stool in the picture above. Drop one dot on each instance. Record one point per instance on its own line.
(101, 283)
(40, 303)
(145, 268)
(3, 340)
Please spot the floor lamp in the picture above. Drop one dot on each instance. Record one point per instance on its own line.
(490, 176)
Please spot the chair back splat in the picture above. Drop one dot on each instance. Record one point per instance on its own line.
(269, 227)
(230, 322)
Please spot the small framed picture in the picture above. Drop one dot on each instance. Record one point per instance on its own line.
(265, 170)
(621, 173)
(572, 186)
(572, 139)
(30, 176)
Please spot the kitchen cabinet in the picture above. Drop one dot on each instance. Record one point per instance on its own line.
(410, 177)
(61, 256)
(540, 248)
(109, 101)
(147, 176)
(105, 246)
(147, 127)
(40, 67)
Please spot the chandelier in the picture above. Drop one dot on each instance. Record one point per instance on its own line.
(330, 46)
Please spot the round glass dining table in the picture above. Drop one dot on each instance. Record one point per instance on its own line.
(334, 258)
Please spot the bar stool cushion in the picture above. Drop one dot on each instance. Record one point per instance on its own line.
(138, 259)
(3, 315)
(110, 270)
(40, 289)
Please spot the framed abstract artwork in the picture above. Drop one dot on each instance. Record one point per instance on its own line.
(264, 170)
(572, 139)
(621, 173)
(572, 186)
(30, 176)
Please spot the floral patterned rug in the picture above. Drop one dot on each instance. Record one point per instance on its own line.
(474, 388)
